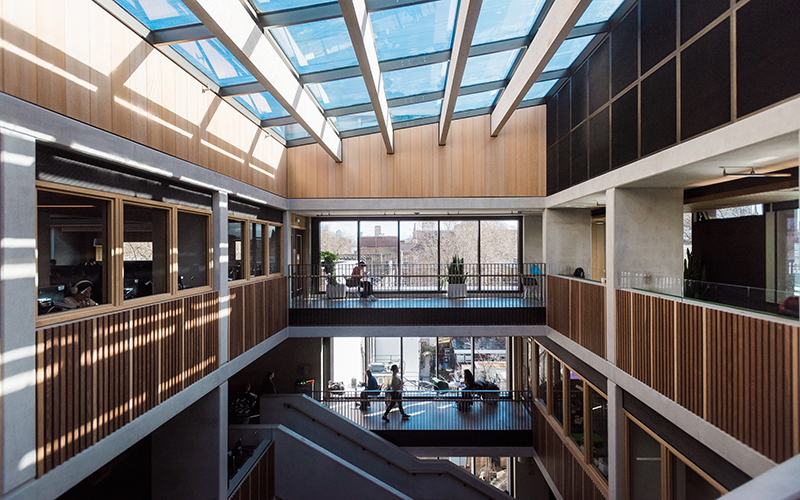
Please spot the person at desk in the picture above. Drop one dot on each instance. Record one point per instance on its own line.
(360, 273)
(81, 296)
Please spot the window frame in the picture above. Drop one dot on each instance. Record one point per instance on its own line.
(248, 222)
(116, 237)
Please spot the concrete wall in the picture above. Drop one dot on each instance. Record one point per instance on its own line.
(568, 240)
(284, 360)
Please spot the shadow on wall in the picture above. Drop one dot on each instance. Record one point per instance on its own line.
(285, 360)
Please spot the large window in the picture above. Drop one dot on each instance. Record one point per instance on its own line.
(275, 251)
(419, 255)
(490, 361)
(193, 247)
(499, 250)
(236, 229)
(254, 245)
(257, 235)
(378, 247)
(145, 256)
(72, 253)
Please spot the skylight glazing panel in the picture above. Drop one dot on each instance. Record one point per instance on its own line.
(568, 52)
(354, 122)
(489, 67)
(503, 20)
(599, 11)
(339, 93)
(278, 5)
(159, 14)
(415, 111)
(215, 61)
(539, 90)
(292, 132)
(476, 101)
(263, 105)
(415, 81)
(414, 30)
(317, 46)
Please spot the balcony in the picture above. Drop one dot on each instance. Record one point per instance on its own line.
(418, 294)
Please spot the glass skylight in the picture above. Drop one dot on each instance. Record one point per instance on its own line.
(414, 30)
(568, 52)
(476, 101)
(215, 61)
(339, 93)
(159, 14)
(539, 90)
(505, 19)
(262, 105)
(599, 11)
(292, 132)
(356, 121)
(415, 111)
(277, 5)
(489, 67)
(414, 81)
(317, 46)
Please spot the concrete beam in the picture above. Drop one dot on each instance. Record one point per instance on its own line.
(232, 24)
(555, 28)
(465, 28)
(359, 27)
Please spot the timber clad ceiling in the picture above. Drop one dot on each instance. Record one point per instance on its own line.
(408, 50)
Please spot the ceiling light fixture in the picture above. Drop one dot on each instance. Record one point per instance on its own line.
(752, 173)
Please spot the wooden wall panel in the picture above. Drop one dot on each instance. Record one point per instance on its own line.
(236, 322)
(592, 302)
(558, 304)
(472, 164)
(98, 374)
(736, 371)
(565, 469)
(689, 359)
(258, 311)
(76, 59)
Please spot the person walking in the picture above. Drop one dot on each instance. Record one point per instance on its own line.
(397, 387)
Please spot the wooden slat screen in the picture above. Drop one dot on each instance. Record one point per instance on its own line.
(736, 371)
(260, 483)
(567, 471)
(98, 374)
(259, 310)
(577, 310)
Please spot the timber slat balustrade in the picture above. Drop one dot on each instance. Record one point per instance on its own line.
(737, 372)
(95, 375)
(567, 471)
(577, 310)
(257, 311)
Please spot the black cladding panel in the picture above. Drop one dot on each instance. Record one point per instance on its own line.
(599, 72)
(659, 24)
(659, 109)
(697, 14)
(624, 128)
(598, 143)
(767, 53)
(563, 164)
(625, 52)
(580, 96)
(706, 82)
(552, 170)
(552, 120)
(580, 158)
(563, 111)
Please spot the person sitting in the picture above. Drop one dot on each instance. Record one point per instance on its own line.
(360, 273)
(579, 273)
(371, 389)
(466, 395)
(790, 307)
(81, 296)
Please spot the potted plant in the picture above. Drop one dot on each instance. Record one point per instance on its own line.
(456, 278)
(333, 290)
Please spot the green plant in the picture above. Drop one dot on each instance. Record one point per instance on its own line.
(329, 265)
(455, 271)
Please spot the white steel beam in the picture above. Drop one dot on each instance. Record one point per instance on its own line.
(555, 28)
(363, 39)
(232, 24)
(465, 28)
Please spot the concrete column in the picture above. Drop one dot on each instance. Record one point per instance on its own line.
(219, 201)
(568, 240)
(532, 244)
(644, 235)
(17, 307)
(616, 441)
(188, 452)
